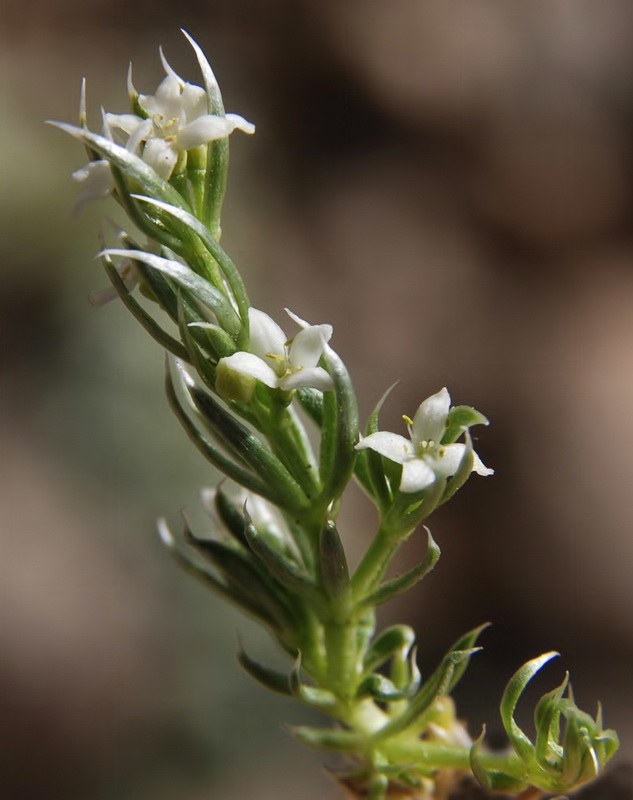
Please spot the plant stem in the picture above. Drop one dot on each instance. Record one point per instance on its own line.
(374, 563)
(429, 756)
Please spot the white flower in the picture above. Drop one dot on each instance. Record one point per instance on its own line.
(423, 457)
(96, 182)
(278, 362)
(176, 120)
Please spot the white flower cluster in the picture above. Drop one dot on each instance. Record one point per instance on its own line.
(173, 120)
(292, 364)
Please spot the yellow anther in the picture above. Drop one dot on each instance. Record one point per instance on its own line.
(278, 357)
(408, 420)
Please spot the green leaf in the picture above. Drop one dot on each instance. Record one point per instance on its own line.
(201, 359)
(132, 165)
(410, 509)
(215, 456)
(140, 314)
(396, 639)
(372, 463)
(549, 754)
(244, 576)
(334, 571)
(466, 642)
(232, 517)
(463, 472)
(287, 572)
(270, 678)
(513, 691)
(147, 223)
(248, 447)
(460, 418)
(218, 150)
(225, 263)
(211, 338)
(384, 690)
(340, 429)
(311, 400)
(405, 672)
(493, 779)
(581, 762)
(311, 695)
(211, 85)
(397, 586)
(231, 594)
(185, 277)
(438, 684)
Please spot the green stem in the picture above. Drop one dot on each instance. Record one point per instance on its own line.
(428, 756)
(375, 562)
(340, 645)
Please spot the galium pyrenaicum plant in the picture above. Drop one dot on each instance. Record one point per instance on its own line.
(245, 394)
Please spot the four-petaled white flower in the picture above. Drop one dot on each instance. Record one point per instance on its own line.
(278, 362)
(423, 456)
(177, 119)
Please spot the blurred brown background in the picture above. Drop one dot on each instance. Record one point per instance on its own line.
(450, 185)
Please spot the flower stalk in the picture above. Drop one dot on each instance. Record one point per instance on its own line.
(278, 417)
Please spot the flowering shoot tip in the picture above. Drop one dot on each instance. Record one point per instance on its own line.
(277, 417)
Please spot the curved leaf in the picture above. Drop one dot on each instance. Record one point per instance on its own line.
(396, 639)
(396, 586)
(269, 678)
(513, 691)
(493, 779)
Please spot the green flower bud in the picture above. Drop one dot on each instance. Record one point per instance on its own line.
(233, 385)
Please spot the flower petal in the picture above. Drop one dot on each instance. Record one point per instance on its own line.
(140, 134)
(416, 475)
(160, 155)
(204, 129)
(307, 346)
(127, 123)
(241, 123)
(265, 335)
(96, 180)
(300, 322)
(429, 422)
(169, 70)
(391, 445)
(447, 459)
(193, 102)
(165, 104)
(250, 364)
(480, 468)
(312, 378)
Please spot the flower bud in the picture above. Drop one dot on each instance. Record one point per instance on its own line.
(233, 385)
